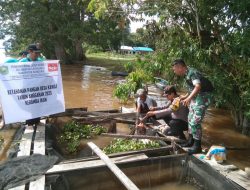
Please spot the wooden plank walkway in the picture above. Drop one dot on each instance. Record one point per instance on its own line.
(39, 147)
(24, 148)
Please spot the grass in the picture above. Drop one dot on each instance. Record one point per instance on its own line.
(112, 56)
(112, 61)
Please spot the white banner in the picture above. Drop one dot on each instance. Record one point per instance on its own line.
(30, 90)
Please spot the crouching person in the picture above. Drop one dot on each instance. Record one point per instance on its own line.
(175, 115)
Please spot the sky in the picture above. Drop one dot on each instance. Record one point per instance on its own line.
(135, 25)
(1, 44)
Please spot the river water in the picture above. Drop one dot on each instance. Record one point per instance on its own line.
(89, 86)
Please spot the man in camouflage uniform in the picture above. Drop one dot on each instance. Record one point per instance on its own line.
(198, 99)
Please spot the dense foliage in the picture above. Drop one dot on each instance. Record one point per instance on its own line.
(123, 145)
(73, 132)
(63, 28)
(141, 73)
(212, 36)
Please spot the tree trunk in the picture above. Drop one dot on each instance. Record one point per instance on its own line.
(60, 52)
(246, 126)
(80, 56)
(237, 119)
(242, 123)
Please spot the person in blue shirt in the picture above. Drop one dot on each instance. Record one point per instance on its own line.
(10, 60)
(23, 54)
(34, 54)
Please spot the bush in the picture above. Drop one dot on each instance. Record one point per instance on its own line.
(93, 49)
(73, 132)
(122, 145)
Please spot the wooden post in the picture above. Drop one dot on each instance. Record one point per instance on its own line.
(119, 174)
(112, 128)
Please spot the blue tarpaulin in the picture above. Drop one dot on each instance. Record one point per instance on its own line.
(147, 49)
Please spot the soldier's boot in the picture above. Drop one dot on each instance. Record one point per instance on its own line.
(189, 142)
(196, 148)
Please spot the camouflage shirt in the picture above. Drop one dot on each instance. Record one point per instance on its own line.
(194, 77)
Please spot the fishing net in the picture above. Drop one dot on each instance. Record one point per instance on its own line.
(21, 170)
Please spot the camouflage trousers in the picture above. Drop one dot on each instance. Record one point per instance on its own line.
(197, 109)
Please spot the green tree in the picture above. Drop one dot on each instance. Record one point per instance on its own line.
(58, 25)
(210, 35)
(62, 27)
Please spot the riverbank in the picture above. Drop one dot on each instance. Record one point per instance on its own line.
(111, 61)
(114, 62)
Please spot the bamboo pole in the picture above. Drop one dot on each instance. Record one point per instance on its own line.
(166, 138)
(118, 173)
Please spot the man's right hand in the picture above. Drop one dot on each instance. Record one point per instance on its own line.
(150, 113)
(152, 108)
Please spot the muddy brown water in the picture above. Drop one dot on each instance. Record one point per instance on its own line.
(89, 86)
(92, 87)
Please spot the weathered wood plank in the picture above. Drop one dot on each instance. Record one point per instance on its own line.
(118, 173)
(65, 167)
(69, 112)
(166, 138)
(24, 148)
(126, 121)
(110, 111)
(25, 144)
(39, 148)
(229, 171)
(39, 143)
(120, 154)
(106, 116)
(22, 187)
(127, 110)
(38, 184)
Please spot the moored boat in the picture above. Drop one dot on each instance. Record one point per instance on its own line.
(119, 73)
(160, 83)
